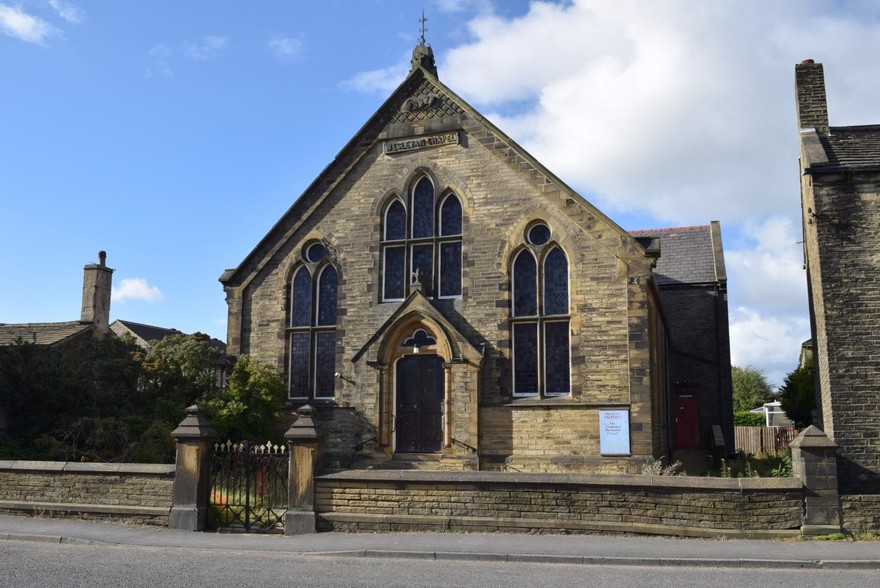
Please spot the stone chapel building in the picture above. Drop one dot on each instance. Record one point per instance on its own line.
(443, 301)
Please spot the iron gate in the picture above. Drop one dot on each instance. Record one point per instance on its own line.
(249, 487)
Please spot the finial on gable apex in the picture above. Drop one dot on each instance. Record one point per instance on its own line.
(423, 29)
(423, 55)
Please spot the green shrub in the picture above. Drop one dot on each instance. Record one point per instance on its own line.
(749, 419)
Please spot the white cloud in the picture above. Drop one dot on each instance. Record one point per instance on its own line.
(767, 268)
(32, 29)
(285, 47)
(771, 342)
(208, 48)
(681, 109)
(160, 51)
(68, 11)
(161, 56)
(457, 6)
(136, 289)
(769, 317)
(379, 80)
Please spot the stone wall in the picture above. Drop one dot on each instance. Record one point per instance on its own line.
(140, 493)
(488, 501)
(861, 513)
(842, 258)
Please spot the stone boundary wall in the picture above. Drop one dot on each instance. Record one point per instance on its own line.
(138, 493)
(861, 513)
(371, 500)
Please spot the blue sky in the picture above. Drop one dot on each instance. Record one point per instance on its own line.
(173, 135)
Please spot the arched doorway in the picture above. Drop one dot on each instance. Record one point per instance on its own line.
(419, 385)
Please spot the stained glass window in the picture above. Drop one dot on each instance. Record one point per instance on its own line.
(395, 271)
(525, 358)
(539, 234)
(555, 282)
(541, 349)
(557, 377)
(423, 264)
(316, 252)
(313, 330)
(450, 216)
(423, 209)
(411, 244)
(299, 365)
(525, 286)
(325, 363)
(301, 296)
(395, 221)
(450, 269)
(327, 297)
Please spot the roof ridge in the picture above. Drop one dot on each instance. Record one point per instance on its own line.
(633, 232)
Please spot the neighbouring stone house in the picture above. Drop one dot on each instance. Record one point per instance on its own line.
(692, 279)
(840, 200)
(94, 317)
(143, 335)
(94, 322)
(444, 301)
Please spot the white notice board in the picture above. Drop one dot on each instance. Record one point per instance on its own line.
(614, 431)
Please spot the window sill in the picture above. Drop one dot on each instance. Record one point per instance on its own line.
(313, 402)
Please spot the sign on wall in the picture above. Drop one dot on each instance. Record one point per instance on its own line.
(614, 431)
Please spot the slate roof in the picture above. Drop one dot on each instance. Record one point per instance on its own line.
(148, 332)
(856, 147)
(687, 255)
(41, 333)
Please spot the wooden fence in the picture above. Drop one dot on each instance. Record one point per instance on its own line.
(769, 440)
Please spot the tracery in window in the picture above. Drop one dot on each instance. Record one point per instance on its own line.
(540, 320)
(312, 327)
(421, 242)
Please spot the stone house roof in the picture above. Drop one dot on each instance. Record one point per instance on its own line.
(856, 147)
(688, 255)
(42, 333)
(141, 333)
(144, 335)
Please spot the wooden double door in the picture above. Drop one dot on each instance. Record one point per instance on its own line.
(420, 385)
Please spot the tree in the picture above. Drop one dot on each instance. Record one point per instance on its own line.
(797, 395)
(102, 399)
(750, 388)
(246, 407)
(180, 370)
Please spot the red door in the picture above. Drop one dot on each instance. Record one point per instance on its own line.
(687, 434)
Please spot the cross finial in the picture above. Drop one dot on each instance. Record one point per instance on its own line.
(423, 29)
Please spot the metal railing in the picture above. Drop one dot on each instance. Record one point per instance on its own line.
(248, 486)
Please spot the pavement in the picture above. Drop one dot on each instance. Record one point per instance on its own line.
(570, 549)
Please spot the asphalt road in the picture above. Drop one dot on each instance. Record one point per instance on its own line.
(35, 564)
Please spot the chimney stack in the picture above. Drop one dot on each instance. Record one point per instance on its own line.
(812, 108)
(97, 281)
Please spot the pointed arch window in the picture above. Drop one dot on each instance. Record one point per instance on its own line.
(421, 242)
(312, 330)
(540, 322)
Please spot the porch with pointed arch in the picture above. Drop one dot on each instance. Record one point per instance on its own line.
(428, 382)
